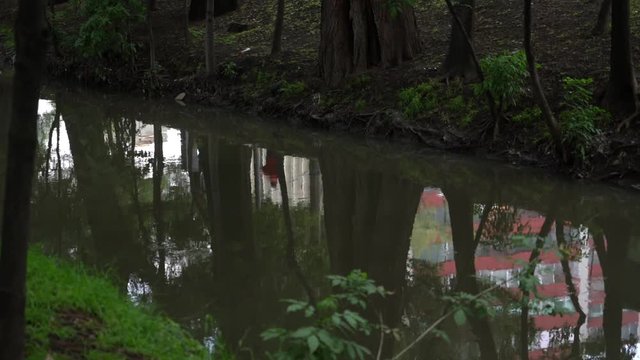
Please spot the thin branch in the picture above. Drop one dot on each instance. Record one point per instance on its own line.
(444, 317)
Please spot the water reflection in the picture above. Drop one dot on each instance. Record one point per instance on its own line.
(214, 219)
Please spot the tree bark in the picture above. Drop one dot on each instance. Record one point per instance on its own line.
(276, 46)
(30, 56)
(152, 42)
(209, 55)
(459, 60)
(198, 8)
(541, 99)
(603, 18)
(358, 34)
(622, 88)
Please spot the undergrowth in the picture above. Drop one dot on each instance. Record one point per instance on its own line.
(103, 321)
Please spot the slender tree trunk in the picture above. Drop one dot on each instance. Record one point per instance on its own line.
(209, 55)
(524, 311)
(541, 99)
(358, 34)
(158, 211)
(185, 11)
(459, 60)
(152, 42)
(23, 139)
(603, 18)
(276, 46)
(621, 91)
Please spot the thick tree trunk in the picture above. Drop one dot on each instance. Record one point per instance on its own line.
(459, 60)
(198, 8)
(358, 34)
(464, 245)
(538, 92)
(621, 92)
(603, 18)
(23, 139)
(209, 55)
(276, 46)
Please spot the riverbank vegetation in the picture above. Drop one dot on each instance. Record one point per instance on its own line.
(73, 314)
(467, 90)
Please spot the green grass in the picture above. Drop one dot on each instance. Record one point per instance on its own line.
(67, 304)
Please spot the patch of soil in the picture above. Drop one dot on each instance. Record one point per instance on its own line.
(85, 328)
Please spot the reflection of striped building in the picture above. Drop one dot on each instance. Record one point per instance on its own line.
(502, 266)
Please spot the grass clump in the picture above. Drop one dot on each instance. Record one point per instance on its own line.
(73, 314)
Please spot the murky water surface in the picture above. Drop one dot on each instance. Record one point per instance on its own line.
(184, 206)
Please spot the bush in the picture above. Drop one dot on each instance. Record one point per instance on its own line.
(292, 89)
(335, 320)
(579, 119)
(106, 32)
(418, 99)
(229, 70)
(505, 78)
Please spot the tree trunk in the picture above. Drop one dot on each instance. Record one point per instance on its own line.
(185, 11)
(464, 245)
(152, 43)
(276, 46)
(23, 139)
(198, 8)
(603, 18)
(541, 99)
(621, 92)
(358, 34)
(459, 60)
(209, 55)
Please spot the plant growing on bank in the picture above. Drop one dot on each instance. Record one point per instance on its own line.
(107, 29)
(292, 89)
(433, 98)
(332, 322)
(579, 118)
(505, 77)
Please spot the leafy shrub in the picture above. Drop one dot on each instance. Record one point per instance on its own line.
(505, 78)
(418, 99)
(335, 320)
(106, 32)
(292, 89)
(580, 118)
(229, 70)
(435, 99)
(360, 105)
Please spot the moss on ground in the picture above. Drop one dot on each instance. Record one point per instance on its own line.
(72, 314)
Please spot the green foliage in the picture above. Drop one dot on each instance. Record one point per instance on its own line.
(107, 29)
(466, 305)
(264, 78)
(96, 306)
(530, 115)
(229, 70)
(293, 89)
(580, 118)
(6, 37)
(418, 99)
(427, 99)
(333, 322)
(505, 78)
(360, 105)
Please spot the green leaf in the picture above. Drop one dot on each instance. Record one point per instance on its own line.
(313, 343)
(459, 317)
(303, 332)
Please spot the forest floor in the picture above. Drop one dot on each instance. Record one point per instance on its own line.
(287, 87)
(72, 314)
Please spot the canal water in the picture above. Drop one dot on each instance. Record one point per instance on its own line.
(183, 206)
